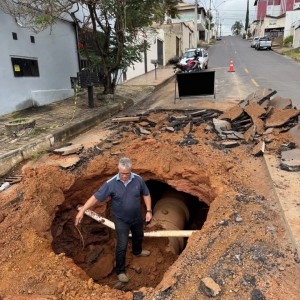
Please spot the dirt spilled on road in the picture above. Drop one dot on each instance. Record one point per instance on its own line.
(241, 243)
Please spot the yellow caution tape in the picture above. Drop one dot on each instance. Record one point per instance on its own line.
(74, 110)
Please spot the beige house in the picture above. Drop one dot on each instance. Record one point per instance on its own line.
(196, 17)
(178, 38)
(274, 26)
(270, 26)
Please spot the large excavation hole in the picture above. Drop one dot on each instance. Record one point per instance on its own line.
(92, 245)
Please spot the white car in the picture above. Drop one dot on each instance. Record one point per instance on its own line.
(202, 57)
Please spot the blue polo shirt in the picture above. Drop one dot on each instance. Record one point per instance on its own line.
(126, 199)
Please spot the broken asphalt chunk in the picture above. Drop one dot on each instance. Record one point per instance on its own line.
(72, 149)
(209, 287)
(254, 110)
(278, 117)
(229, 144)
(232, 114)
(280, 102)
(290, 160)
(188, 141)
(136, 131)
(221, 125)
(188, 128)
(144, 131)
(295, 132)
(259, 149)
(198, 113)
(170, 129)
(69, 163)
(258, 96)
(250, 134)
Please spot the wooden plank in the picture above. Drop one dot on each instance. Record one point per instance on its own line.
(126, 119)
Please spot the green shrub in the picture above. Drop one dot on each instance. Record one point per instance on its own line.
(288, 40)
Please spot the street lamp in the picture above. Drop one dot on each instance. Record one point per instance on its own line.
(208, 37)
(196, 23)
(209, 23)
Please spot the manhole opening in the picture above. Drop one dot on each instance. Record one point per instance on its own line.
(92, 245)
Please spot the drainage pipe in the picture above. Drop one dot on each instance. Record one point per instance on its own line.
(171, 213)
(156, 233)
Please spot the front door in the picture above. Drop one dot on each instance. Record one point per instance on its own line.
(160, 53)
(177, 46)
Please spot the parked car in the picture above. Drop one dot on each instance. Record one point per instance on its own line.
(263, 43)
(202, 57)
(254, 41)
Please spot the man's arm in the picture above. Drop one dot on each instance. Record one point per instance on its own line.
(147, 200)
(88, 204)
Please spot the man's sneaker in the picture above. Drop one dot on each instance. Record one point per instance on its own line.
(144, 253)
(123, 277)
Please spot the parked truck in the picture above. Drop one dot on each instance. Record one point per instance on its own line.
(263, 43)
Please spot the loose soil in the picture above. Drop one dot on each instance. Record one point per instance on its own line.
(241, 240)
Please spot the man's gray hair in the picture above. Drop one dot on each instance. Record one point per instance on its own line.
(125, 163)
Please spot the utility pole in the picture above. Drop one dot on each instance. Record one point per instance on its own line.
(196, 23)
(208, 38)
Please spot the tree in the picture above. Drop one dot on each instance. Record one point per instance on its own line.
(208, 21)
(113, 34)
(237, 27)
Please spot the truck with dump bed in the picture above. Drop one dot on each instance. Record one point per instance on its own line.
(263, 43)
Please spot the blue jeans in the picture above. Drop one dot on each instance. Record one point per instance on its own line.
(122, 231)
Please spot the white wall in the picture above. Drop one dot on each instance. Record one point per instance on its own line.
(139, 68)
(57, 59)
(296, 42)
(274, 10)
(292, 19)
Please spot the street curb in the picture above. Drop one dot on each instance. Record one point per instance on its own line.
(286, 222)
(9, 160)
(163, 83)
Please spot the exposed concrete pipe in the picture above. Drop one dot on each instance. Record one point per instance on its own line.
(171, 213)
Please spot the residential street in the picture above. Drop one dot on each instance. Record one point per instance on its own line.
(254, 69)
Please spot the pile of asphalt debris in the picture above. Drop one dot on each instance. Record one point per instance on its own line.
(252, 122)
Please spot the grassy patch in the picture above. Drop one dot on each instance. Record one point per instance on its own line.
(293, 53)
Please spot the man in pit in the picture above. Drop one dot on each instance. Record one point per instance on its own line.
(125, 190)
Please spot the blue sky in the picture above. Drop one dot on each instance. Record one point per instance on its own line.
(229, 11)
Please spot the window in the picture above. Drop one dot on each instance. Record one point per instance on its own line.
(32, 39)
(14, 35)
(25, 67)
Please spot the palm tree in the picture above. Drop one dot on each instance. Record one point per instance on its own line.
(237, 27)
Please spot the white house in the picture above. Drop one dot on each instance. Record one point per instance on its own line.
(296, 42)
(156, 52)
(36, 69)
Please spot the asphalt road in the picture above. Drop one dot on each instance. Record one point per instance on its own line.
(253, 70)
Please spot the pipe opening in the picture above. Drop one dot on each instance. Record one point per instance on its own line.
(92, 245)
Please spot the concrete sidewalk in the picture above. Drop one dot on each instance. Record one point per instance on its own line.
(65, 119)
